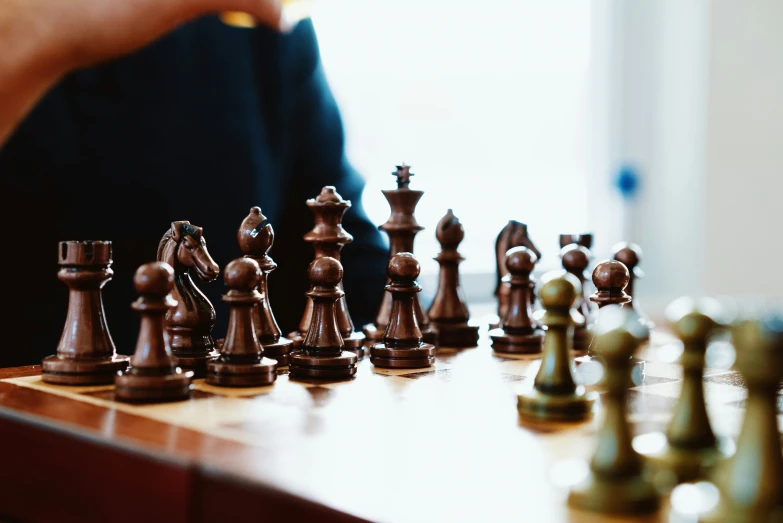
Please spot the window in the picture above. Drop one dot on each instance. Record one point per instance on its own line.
(488, 102)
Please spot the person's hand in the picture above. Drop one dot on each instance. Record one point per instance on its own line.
(44, 39)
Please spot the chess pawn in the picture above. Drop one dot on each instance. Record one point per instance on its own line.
(575, 259)
(448, 311)
(256, 237)
(328, 238)
(629, 254)
(153, 375)
(190, 323)
(690, 448)
(402, 228)
(86, 353)
(321, 355)
(518, 333)
(514, 234)
(751, 483)
(555, 395)
(617, 482)
(402, 346)
(241, 362)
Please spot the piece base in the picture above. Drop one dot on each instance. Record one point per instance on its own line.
(429, 335)
(678, 464)
(225, 374)
(557, 407)
(420, 357)
(517, 343)
(372, 333)
(82, 371)
(280, 351)
(632, 495)
(457, 335)
(355, 343)
(196, 363)
(333, 368)
(140, 388)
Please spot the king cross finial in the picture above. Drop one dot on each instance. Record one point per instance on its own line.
(403, 174)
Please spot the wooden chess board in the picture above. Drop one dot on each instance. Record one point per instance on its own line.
(444, 444)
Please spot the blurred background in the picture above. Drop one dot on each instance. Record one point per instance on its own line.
(656, 122)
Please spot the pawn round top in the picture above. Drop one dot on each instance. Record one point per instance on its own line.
(611, 275)
(325, 272)
(403, 267)
(629, 254)
(449, 231)
(559, 290)
(329, 195)
(255, 235)
(242, 274)
(520, 261)
(575, 257)
(694, 319)
(156, 279)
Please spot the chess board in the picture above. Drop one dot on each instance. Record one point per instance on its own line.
(440, 444)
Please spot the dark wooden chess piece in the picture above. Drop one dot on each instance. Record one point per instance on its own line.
(189, 324)
(519, 334)
(153, 375)
(514, 234)
(256, 236)
(585, 240)
(751, 483)
(555, 395)
(402, 228)
(448, 311)
(690, 450)
(328, 238)
(630, 254)
(402, 346)
(321, 354)
(575, 259)
(86, 353)
(616, 483)
(241, 362)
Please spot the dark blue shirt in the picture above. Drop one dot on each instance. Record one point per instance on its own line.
(200, 126)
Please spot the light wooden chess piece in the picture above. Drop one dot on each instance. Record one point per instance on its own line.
(616, 483)
(751, 483)
(555, 395)
(690, 449)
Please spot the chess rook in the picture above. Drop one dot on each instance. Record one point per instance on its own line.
(630, 254)
(575, 259)
(448, 311)
(402, 228)
(190, 323)
(256, 237)
(514, 234)
(153, 375)
(241, 362)
(691, 450)
(402, 345)
(616, 483)
(321, 354)
(328, 238)
(518, 333)
(555, 395)
(86, 353)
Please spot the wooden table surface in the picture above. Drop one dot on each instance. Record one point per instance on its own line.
(421, 445)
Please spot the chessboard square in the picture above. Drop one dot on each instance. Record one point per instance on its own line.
(232, 392)
(109, 395)
(440, 375)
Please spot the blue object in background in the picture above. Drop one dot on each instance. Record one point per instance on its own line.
(627, 182)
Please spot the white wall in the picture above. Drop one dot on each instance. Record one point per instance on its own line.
(744, 189)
